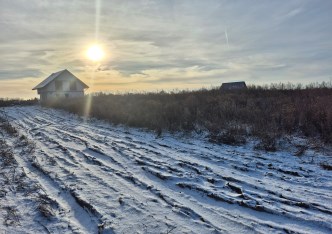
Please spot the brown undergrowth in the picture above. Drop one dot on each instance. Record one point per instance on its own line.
(266, 113)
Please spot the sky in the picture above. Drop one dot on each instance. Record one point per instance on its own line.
(154, 45)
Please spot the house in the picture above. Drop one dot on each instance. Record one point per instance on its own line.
(233, 85)
(62, 84)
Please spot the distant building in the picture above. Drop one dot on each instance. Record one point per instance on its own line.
(233, 85)
(62, 84)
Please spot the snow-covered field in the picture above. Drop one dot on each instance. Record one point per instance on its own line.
(122, 180)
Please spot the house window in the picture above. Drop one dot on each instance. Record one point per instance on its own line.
(58, 85)
(73, 86)
(67, 95)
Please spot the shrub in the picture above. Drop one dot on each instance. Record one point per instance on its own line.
(17, 102)
(233, 135)
(268, 112)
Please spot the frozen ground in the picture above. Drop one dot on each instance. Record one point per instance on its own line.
(128, 181)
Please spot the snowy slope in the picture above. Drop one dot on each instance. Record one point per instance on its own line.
(129, 181)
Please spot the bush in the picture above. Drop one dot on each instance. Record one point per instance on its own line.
(268, 143)
(267, 112)
(17, 102)
(231, 136)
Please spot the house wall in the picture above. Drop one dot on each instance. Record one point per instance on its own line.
(50, 93)
(53, 96)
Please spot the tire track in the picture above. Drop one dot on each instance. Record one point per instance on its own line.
(138, 169)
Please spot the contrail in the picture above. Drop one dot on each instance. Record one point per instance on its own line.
(226, 35)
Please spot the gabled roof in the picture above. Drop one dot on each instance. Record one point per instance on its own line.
(53, 76)
(233, 85)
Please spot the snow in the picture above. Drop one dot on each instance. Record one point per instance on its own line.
(129, 181)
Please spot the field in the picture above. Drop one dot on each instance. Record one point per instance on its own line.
(267, 113)
(61, 173)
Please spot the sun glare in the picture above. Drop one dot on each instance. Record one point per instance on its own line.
(95, 53)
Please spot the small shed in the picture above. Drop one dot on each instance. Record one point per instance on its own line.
(233, 85)
(61, 84)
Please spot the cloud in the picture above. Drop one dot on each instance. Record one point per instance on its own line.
(168, 44)
(19, 73)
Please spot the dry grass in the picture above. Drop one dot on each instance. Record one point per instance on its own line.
(17, 102)
(266, 113)
(12, 217)
(326, 166)
(14, 178)
(45, 206)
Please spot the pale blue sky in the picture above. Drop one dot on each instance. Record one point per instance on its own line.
(165, 44)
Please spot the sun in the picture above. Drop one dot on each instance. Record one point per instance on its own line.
(95, 53)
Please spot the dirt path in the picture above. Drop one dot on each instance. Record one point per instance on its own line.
(125, 180)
